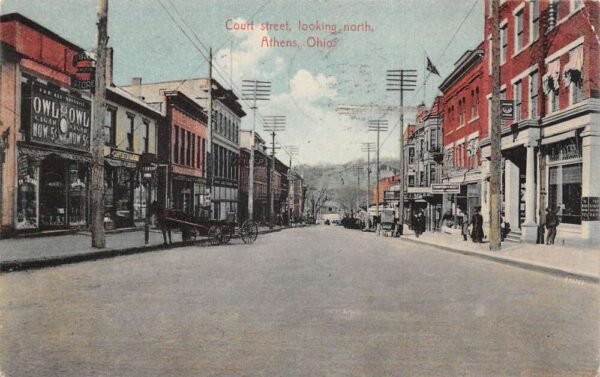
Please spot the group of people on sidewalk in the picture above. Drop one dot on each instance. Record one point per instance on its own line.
(549, 221)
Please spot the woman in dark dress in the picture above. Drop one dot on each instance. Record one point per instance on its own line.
(477, 224)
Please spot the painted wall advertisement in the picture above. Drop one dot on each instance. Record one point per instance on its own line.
(59, 119)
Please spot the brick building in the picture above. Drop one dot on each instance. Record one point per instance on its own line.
(549, 68)
(464, 112)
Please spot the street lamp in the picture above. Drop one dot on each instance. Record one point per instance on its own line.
(147, 166)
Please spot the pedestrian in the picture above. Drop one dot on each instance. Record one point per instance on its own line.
(462, 223)
(416, 222)
(422, 221)
(477, 224)
(541, 227)
(504, 227)
(551, 224)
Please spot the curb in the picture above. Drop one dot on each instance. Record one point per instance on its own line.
(527, 265)
(38, 263)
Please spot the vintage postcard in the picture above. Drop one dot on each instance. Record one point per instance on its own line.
(326, 188)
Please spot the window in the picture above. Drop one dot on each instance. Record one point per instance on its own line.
(176, 145)
(199, 154)
(145, 136)
(182, 147)
(477, 102)
(503, 43)
(130, 130)
(411, 155)
(193, 154)
(519, 31)
(220, 125)
(533, 94)
(432, 174)
(553, 98)
(518, 100)
(564, 192)
(534, 20)
(575, 5)
(188, 148)
(553, 15)
(574, 74)
(109, 127)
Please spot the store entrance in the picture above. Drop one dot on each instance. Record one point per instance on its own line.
(53, 195)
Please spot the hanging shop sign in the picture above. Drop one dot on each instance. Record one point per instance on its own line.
(59, 119)
(122, 155)
(445, 189)
(590, 208)
(507, 109)
(391, 195)
(84, 65)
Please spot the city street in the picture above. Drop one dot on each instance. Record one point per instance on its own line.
(315, 301)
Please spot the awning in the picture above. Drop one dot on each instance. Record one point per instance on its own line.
(39, 154)
(572, 70)
(550, 79)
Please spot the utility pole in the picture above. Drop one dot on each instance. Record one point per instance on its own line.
(496, 125)
(378, 125)
(358, 169)
(368, 147)
(254, 91)
(99, 106)
(293, 150)
(209, 155)
(273, 124)
(401, 80)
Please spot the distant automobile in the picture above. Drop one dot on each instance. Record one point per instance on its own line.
(327, 222)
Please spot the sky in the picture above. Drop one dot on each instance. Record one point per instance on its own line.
(162, 40)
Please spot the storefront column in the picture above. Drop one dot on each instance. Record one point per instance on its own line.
(529, 227)
(590, 185)
(511, 193)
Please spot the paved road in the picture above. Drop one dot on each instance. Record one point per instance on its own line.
(319, 301)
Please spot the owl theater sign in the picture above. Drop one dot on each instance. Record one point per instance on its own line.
(59, 119)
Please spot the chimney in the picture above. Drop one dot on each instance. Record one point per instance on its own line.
(136, 83)
(109, 66)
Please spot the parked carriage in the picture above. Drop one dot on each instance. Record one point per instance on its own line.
(218, 231)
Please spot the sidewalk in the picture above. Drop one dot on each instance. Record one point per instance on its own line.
(38, 252)
(581, 263)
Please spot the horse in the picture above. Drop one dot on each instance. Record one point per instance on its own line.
(163, 224)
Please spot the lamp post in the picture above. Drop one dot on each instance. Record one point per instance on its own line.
(147, 166)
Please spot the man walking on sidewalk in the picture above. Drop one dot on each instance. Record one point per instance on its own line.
(477, 223)
(541, 227)
(551, 225)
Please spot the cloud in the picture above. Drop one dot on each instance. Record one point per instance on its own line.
(305, 85)
(246, 59)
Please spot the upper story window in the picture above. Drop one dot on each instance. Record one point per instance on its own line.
(533, 94)
(551, 84)
(518, 100)
(176, 145)
(130, 130)
(575, 5)
(503, 43)
(519, 36)
(146, 136)
(573, 75)
(534, 20)
(110, 121)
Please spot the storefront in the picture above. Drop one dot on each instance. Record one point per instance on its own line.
(564, 168)
(53, 162)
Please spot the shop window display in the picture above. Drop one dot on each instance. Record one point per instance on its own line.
(564, 192)
(27, 195)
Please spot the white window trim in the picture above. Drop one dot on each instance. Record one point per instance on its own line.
(531, 39)
(502, 24)
(564, 50)
(523, 74)
(518, 8)
(529, 107)
(516, 30)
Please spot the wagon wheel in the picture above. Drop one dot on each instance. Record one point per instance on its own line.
(215, 235)
(227, 234)
(249, 231)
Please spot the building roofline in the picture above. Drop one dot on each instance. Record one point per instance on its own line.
(465, 63)
(18, 17)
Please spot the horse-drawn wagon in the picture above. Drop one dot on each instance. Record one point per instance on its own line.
(218, 231)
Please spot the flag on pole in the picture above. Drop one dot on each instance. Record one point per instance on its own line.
(431, 68)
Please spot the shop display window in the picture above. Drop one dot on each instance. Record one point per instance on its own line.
(564, 192)
(27, 195)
